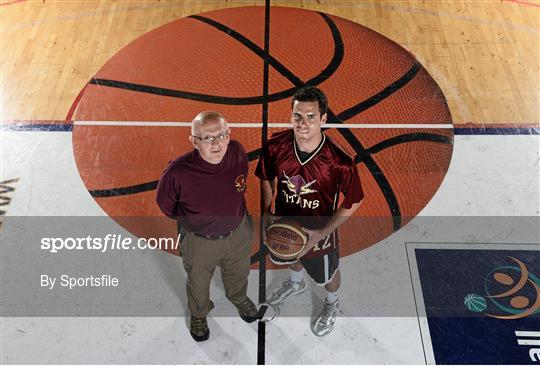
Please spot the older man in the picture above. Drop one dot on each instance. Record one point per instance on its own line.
(204, 191)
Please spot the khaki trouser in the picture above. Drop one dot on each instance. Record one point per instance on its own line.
(201, 256)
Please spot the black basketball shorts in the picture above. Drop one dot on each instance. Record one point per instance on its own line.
(320, 269)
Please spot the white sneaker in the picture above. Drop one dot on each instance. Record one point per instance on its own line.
(324, 323)
(287, 288)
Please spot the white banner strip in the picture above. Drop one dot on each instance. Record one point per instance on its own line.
(255, 125)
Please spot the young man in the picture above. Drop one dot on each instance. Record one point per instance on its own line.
(308, 171)
(204, 191)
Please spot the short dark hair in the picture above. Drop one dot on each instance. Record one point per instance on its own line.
(311, 94)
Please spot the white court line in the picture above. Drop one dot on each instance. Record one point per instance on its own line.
(523, 333)
(528, 342)
(251, 125)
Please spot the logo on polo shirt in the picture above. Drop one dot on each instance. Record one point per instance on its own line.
(240, 183)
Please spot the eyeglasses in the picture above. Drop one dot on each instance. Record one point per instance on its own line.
(210, 139)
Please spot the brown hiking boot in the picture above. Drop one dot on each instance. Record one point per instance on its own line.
(199, 329)
(247, 310)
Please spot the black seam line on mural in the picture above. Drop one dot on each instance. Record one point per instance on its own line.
(374, 169)
(261, 326)
(410, 137)
(149, 186)
(257, 256)
(333, 65)
(383, 94)
(254, 155)
(123, 191)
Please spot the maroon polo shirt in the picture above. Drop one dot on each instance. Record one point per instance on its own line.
(206, 198)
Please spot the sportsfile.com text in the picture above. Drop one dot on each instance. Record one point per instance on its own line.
(108, 242)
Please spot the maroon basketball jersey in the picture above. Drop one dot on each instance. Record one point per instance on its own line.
(310, 190)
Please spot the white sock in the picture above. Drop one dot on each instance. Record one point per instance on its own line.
(296, 276)
(331, 297)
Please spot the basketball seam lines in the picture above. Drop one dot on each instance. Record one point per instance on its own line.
(251, 46)
(372, 166)
(410, 137)
(278, 66)
(375, 171)
(253, 155)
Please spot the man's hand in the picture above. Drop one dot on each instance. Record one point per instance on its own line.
(314, 236)
(336, 221)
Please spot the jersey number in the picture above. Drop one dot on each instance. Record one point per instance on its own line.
(326, 244)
